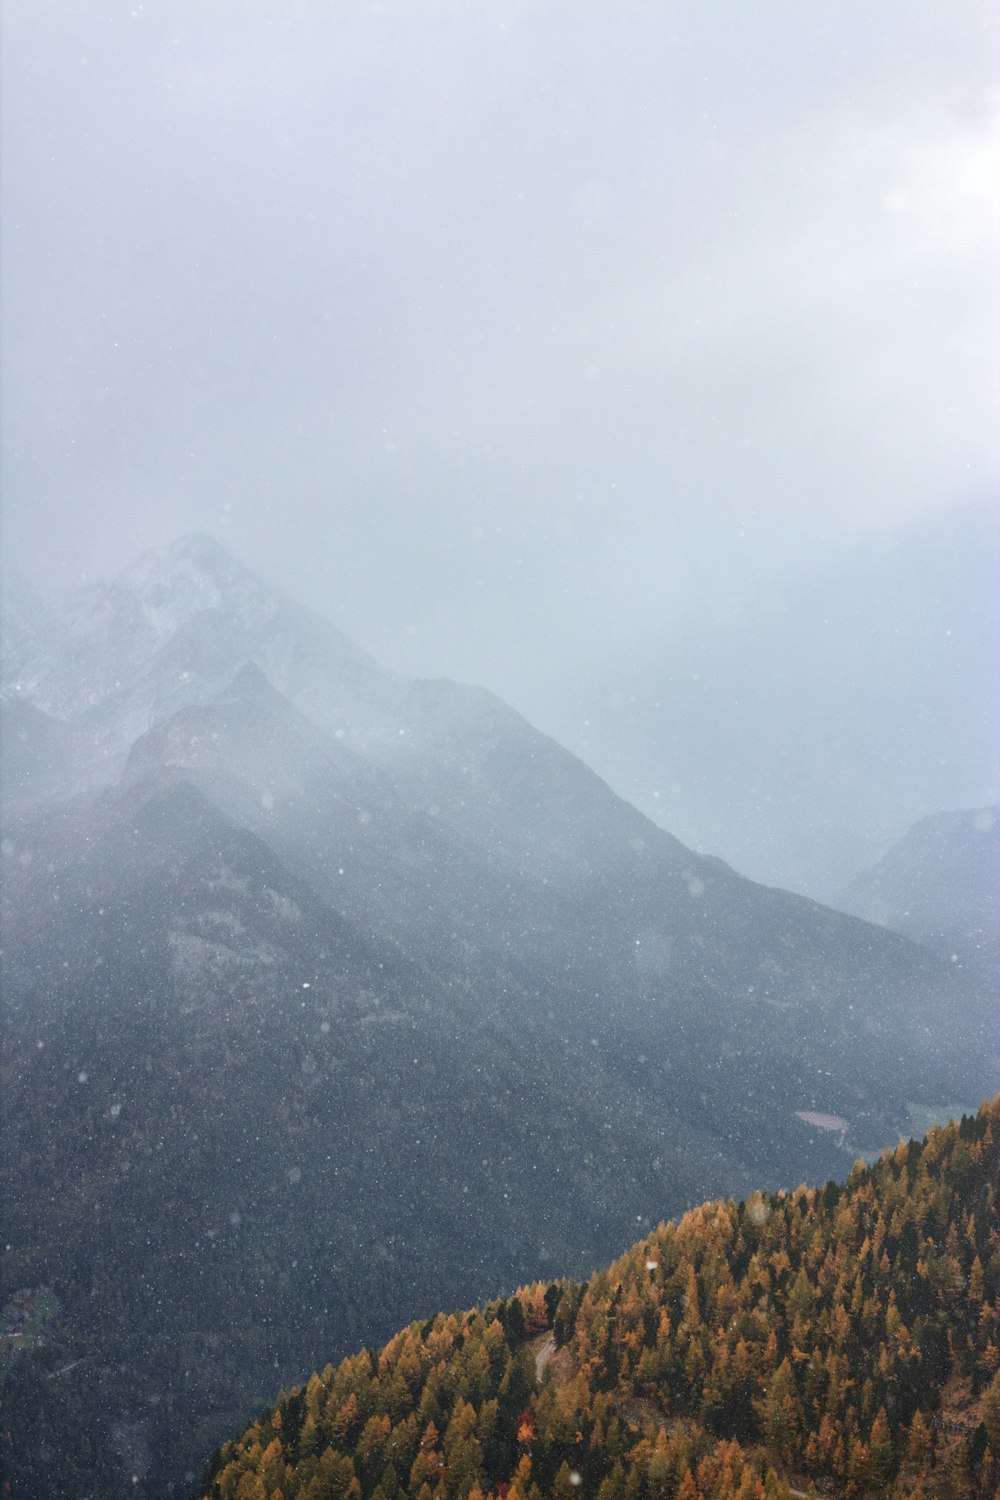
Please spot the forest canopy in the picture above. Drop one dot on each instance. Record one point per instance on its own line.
(844, 1338)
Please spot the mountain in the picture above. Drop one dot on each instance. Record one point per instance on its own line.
(40, 756)
(170, 631)
(331, 995)
(714, 1359)
(940, 885)
(236, 1132)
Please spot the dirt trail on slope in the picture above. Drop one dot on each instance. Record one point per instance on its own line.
(543, 1348)
(559, 1363)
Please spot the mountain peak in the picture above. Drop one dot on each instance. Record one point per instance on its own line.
(172, 630)
(168, 586)
(195, 555)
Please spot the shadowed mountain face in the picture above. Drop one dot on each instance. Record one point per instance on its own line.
(940, 885)
(334, 997)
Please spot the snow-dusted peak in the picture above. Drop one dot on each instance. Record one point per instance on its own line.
(172, 584)
(170, 631)
(100, 640)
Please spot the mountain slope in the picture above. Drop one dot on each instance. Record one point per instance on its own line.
(42, 758)
(236, 1131)
(940, 885)
(675, 966)
(483, 843)
(714, 1355)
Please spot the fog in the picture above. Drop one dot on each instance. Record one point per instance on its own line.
(637, 361)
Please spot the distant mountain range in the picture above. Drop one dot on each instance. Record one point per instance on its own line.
(333, 997)
(940, 885)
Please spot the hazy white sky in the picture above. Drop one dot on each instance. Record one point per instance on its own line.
(545, 346)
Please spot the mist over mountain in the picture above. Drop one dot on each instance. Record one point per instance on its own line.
(676, 423)
(800, 734)
(940, 885)
(332, 996)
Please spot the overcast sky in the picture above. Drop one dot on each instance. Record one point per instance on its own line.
(638, 361)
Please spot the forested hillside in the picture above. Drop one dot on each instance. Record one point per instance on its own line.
(845, 1338)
